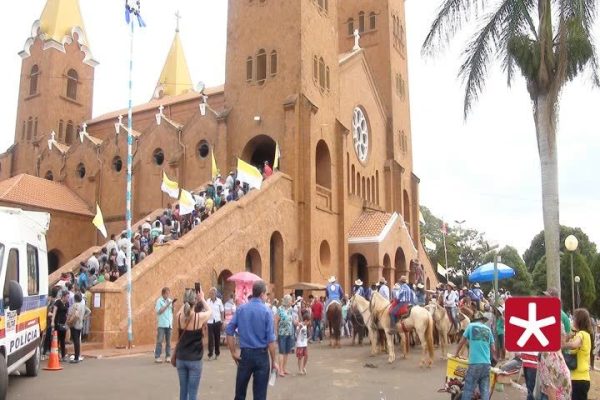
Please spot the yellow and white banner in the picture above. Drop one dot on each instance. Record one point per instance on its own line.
(186, 202)
(249, 174)
(169, 187)
(98, 222)
(214, 170)
(441, 270)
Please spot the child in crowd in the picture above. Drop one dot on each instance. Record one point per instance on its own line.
(302, 343)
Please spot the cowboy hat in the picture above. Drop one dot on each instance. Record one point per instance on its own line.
(331, 279)
(476, 285)
(420, 285)
(358, 282)
(403, 278)
(382, 280)
(396, 286)
(478, 316)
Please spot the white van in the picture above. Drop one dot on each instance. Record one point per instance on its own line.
(24, 279)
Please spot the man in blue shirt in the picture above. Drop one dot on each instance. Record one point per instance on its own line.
(333, 292)
(404, 297)
(164, 316)
(476, 296)
(481, 346)
(254, 324)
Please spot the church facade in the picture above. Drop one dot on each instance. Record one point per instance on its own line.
(324, 80)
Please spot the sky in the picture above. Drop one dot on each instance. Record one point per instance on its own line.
(484, 170)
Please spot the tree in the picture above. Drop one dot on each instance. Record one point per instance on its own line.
(431, 230)
(549, 48)
(596, 274)
(521, 283)
(587, 288)
(536, 250)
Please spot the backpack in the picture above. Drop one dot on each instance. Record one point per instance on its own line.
(72, 317)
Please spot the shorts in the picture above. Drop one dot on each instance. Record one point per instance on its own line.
(301, 352)
(286, 344)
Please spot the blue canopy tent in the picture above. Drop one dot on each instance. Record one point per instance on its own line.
(485, 273)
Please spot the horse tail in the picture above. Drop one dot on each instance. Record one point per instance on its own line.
(429, 336)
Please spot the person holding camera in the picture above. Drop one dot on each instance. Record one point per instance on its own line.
(164, 316)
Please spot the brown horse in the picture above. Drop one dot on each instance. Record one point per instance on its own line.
(359, 328)
(334, 320)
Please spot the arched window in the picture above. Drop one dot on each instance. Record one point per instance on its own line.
(364, 187)
(323, 165)
(61, 130)
(29, 128)
(80, 170)
(249, 69)
(158, 156)
(35, 126)
(377, 187)
(49, 176)
(69, 133)
(315, 69)
(353, 179)
(203, 149)
(372, 21)
(321, 73)
(33, 79)
(358, 192)
(273, 69)
(368, 190)
(23, 131)
(261, 66)
(117, 164)
(361, 21)
(327, 78)
(72, 81)
(350, 23)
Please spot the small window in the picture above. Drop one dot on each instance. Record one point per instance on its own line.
(273, 63)
(350, 23)
(12, 270)
(117, 164)
(315, 69)
(361, 21)
(80, 170)
(249, 69)
(261, 66)
(72, 81)
(158, 156)
(322, 73)
(49, 176)
(61, 127)
(323, 5)
(29, 128)
(33, 271)
(203, 149)
(327, 78)
(23, 131)
(69, 133)
(372, 21)
(33, 80)
(35, 127)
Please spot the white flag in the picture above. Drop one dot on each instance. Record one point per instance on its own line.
(441, 270)
(186, 203)
(429, 245)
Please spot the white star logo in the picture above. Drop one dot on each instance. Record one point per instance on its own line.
(533, 326)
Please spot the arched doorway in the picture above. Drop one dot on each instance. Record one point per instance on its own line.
(276, 263)
(323, 165)
(358, 266)
(54, 258)
(225, 287)
(400, 263)
(387, 269)
(253, 262)
(259, 149)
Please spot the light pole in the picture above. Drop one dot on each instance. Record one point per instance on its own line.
(571, 245)
(577, 280)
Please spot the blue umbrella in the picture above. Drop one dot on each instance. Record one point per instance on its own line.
(485, 273)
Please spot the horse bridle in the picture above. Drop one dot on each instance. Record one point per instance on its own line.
(364, 325)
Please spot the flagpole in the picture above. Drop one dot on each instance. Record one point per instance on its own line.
(444, 231)
(128, 196)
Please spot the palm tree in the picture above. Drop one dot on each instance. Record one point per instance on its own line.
(549, 48)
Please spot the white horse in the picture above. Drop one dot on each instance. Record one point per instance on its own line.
(444, 326)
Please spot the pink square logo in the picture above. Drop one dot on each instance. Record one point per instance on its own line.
(532, 324)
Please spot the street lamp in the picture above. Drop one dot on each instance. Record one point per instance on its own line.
(571, 245)
(577, 280)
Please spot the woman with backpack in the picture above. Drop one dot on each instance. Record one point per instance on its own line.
(75, 318)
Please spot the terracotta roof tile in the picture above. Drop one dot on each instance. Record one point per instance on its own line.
(369, 224)
(32, 191)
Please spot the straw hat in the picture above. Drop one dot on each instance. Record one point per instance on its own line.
(332, 279)
(403, 278)
(382, 280)
(420, 285)
(476, 285)
(358, 282)
(396, 286)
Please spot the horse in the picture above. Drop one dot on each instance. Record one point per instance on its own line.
(444, 325)
(334, 320)
(358, 325)
(418, 319)
(374, 325)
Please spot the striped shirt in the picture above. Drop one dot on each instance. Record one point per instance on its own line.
(530, 359)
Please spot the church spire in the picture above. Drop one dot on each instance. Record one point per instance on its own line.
(59, 18)
(175, 77)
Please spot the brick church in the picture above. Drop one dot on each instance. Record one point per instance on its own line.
(326, 80)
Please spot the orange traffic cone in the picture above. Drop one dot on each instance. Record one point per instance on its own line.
(53, 362)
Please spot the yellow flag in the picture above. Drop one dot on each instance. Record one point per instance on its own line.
(169, 187)
(98, 221)
(249, 174)
(186, 203)
(214, 169)
(277, 156)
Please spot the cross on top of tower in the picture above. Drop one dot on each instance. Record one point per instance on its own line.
(177, 18)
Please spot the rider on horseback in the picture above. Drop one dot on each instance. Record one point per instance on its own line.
(450, 303)
(360, 290)
(400, 305)
(476, 295)
(333, 292)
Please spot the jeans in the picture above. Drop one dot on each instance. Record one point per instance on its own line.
(529, 374)
(317, 327)
(453, 311)
(189, 373)
(76, 338)
(47, 340)
(214, 338)
(163, 334)
(478, 375)
(580, 390)
(254, 363)
(62, 338)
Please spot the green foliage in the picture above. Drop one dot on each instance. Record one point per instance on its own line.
(587, 287)
(537, 249)
(596, 274)
(521, 284)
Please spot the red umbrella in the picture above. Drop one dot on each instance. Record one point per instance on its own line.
(244, 276)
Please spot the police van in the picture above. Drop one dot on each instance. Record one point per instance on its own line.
(24, 280)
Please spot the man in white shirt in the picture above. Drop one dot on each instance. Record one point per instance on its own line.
(215, 322)
(384, 290)
(122, 260)
(93, 262)
(450, 303)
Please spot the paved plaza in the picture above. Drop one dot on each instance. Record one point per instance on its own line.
(332, 374)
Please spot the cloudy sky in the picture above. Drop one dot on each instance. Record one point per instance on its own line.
(485, 170)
